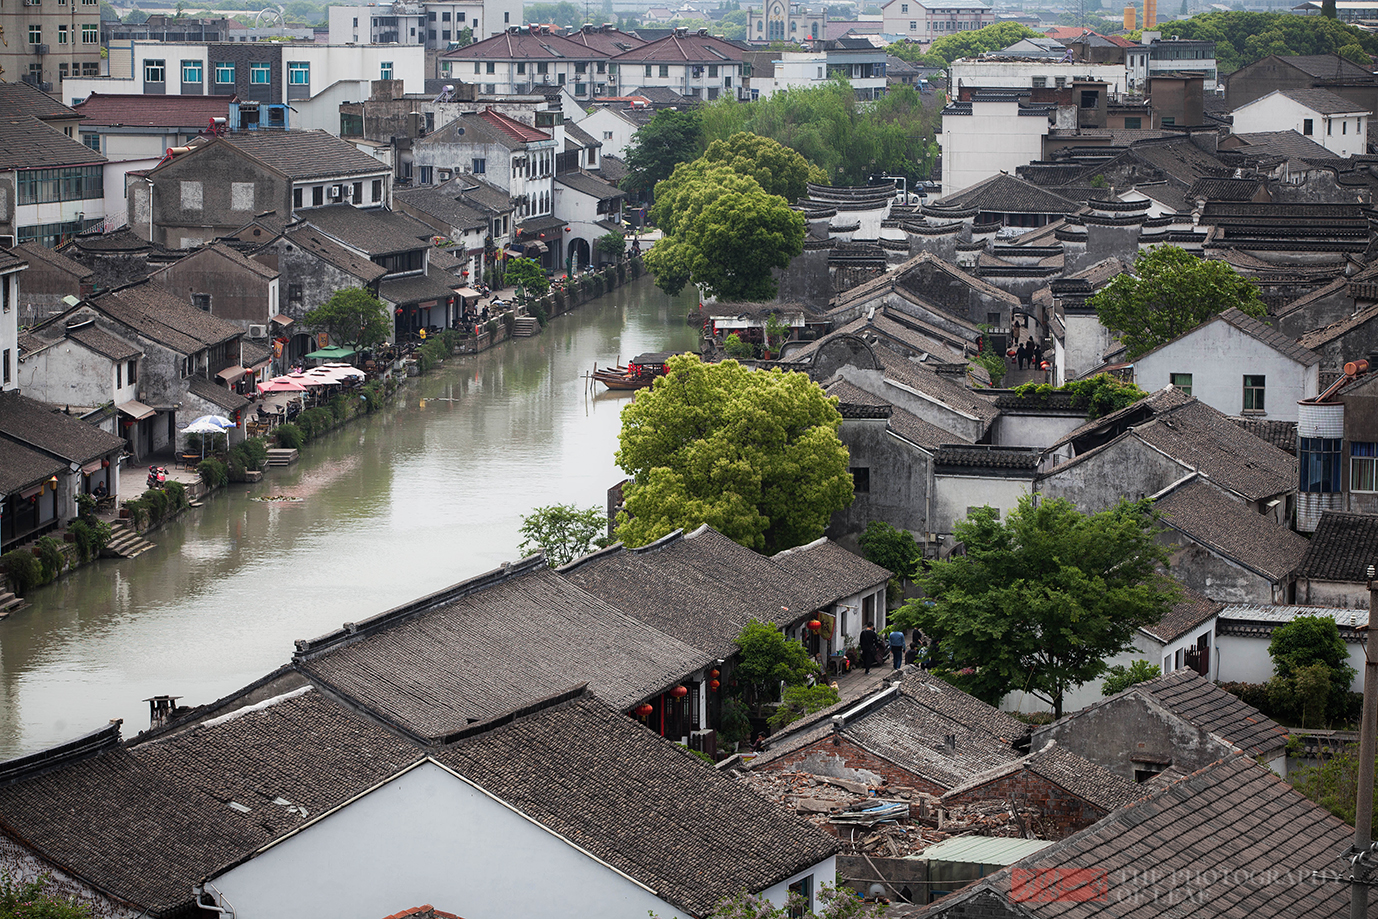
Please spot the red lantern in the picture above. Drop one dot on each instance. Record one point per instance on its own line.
(568, 229)
(713, 685)
(714, 674)
(644, 709)
(815, 625)
(679, 692)
(105, 464)
(1013, 352)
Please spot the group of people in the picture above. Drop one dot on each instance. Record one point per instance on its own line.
(873, 649)
(1029, 352)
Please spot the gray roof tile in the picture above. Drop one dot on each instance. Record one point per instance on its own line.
(1077, 775)
(1186, 614)
(1342, 548)
(1323, 101)
(374, 232)
(27, 142)
(44, 428)
(21, 467)
(306, 154)
(157, 313)
(1205, 440)
(1226, 526)
(837, 570)
(319, 244)
(1197, 700)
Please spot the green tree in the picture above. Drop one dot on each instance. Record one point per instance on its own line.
(1041, 599)
(775, 167)
(37, 899)
(1119, 677)
(1333, 784)
(891, 548)
(1170, 293)
(1098, 395)
(562, 14)
(613, 244)
(529, 274)
(352, 317)
(753, 453)
(136, 17)
(668, 139)
(977, 42)
(766, 659)
(798, 701)
(723, 233)
(1311, 669)
(564, 532)
(1242, 38)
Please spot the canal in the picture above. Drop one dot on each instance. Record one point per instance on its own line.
(404, 502)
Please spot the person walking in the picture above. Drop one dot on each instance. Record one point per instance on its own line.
(1023, 354)
(897, 648)
(869, 640)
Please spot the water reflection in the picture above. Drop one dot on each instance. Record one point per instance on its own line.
(410, 500)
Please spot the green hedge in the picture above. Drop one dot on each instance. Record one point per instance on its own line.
(23, 569)
(289, 436)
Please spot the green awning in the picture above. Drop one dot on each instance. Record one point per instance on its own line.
(333, 353)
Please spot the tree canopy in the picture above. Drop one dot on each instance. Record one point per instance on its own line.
(1040, 600)
(529, 274)
(353, 317)
(37, 899)
(964, 44)
(723, 233)
(775, 167)
(766, 659)
(1170, 293)
(1242, 38)
(1312, 674)
(753, 453)
(564, 532)
(668, 139)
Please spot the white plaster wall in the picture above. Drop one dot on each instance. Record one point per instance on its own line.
(76, 89)
(322, 111)
(70, 374)
(954, 494)
(332, 63)
(604, 121)
(1086, 343)
(997, 73)
(1033, 430)
(994, 138)
(430, 837)
(1244, 659)
(1217, 355)
(1343, 135)
(9, 326)
(822, 873)
(1077, 698)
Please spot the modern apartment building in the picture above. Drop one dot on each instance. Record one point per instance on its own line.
(48, 41)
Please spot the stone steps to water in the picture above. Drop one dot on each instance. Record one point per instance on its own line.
(125, 543)
(282, 457)
(9, 603)
(525, 327)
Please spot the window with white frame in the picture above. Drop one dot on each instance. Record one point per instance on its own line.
(155, 71)
(299, 73)
(1363, 466)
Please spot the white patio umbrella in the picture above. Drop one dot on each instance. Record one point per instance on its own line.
(205, 425)
(220, 421)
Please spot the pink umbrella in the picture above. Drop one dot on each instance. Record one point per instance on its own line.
(281, 384)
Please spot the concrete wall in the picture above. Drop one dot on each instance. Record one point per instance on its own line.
(1027, 429)
(1126, 468)
(1343, 135)
(1129, 725)
(236, 294)
(994, 138)
(955, 495)
(70, 374)
(848, 760)
(1216, 576)
(899, 475)
(319, 280)
(193, 199)
(1245, 659)
(1218, 356)
(1331, 593)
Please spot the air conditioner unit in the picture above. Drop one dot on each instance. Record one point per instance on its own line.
(258, 331)
(336, 192)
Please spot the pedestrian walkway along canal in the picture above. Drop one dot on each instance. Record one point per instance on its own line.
(394, 506)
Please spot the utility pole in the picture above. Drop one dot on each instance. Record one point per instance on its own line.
(1361, 864)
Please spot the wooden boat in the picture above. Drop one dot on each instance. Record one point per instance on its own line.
(638, 374)
(613, 379)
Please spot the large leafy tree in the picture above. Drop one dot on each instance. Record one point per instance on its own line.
(964, 44)
(1312, 674)
(767, 659)
(529, 274)
(775, 167)
(564, 532)
(753, 453)
(353, 317)
(1041, 599)
(723, 232)
(1242, 38)
(668, 139)
(1170, 293)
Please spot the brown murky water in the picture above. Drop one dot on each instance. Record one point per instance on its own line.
(402, 503)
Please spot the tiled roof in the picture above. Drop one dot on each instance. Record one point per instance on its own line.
(643, 805)
(1255, 329)
(1230, 189)
(373, 232)
(238, 259)
(137, 110)
(919, 432)
(157, 313)
(432, 285)
(27, 142)
(306, 154)
(443, 205)
(10, 261)
(843, 572)
(1007, 194)
(941, 697)
(984, 456)
(701, 587)
(1163, 400)
(608, 41)
(915, 737)
(1228, 527)
(522, 45)
(33, 252)
(685, 49)
(1197, 700)
(1281, 434)
(1079, 776)
(1186, 614)
(1342, 548)
(1328, 67)
(1283, 143)
(1323, 101)
(432, 672)
(590, 185)
(117, 349)
(217, 395)
(21, 467)
(954, 395)
(1185, 849)
(312, 240)
(1203, 439)
(19, 98)
(1318, 337)
(512, 127)
(612, 169)
(910, 271)
(52, 431)
(576, 136)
